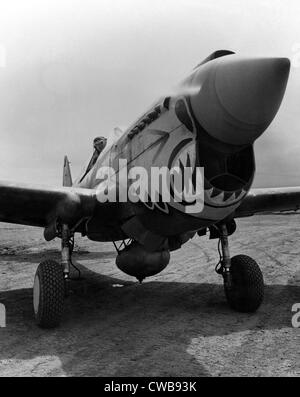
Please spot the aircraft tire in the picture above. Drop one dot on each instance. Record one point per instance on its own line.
(48, 294)
(246, 292)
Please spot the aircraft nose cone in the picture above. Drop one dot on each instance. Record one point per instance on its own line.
(251, 91)
(241, 97)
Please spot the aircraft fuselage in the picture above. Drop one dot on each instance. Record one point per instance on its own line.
(211, 121)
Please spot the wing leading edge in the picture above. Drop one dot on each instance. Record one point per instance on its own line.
(263, 201)
(40, 205)
(36, 205)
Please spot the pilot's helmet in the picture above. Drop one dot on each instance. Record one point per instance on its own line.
(100, 143)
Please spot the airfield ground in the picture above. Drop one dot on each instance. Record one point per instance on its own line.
(175, 324)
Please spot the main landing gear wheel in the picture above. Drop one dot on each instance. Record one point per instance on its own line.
(51, 283)
(245, 292)
(243, 279)
(48, 294)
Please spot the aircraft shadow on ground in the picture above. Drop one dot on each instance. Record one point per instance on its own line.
(135, 329)
(36, 257)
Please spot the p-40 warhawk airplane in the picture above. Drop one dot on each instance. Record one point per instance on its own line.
(211, 121)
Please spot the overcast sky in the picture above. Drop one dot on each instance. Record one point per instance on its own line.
(72, 70)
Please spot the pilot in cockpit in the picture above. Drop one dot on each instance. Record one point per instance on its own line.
(99, 145)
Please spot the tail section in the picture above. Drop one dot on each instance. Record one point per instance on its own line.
(67, 177)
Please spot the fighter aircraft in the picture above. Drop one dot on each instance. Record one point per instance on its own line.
(211, 121)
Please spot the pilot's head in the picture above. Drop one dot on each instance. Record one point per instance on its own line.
(100, 143)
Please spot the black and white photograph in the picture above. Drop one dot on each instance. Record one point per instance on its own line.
(149, 191)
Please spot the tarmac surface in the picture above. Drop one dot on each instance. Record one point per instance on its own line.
(175, 324)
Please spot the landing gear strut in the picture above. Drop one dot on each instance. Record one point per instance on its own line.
(65, 250)
(226, 260)
(243, 279)
(51, 284)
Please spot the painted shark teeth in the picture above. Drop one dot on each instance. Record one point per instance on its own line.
(162, 207)
(220, 197)
(187, 159)
(238, 193)
(209, 192)
(159, 205)
(216, 193)
(228, 195)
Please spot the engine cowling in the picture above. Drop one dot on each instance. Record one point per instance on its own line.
(135, 261)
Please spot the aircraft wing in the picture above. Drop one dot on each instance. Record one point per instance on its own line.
(263, 201)
(40, 205)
